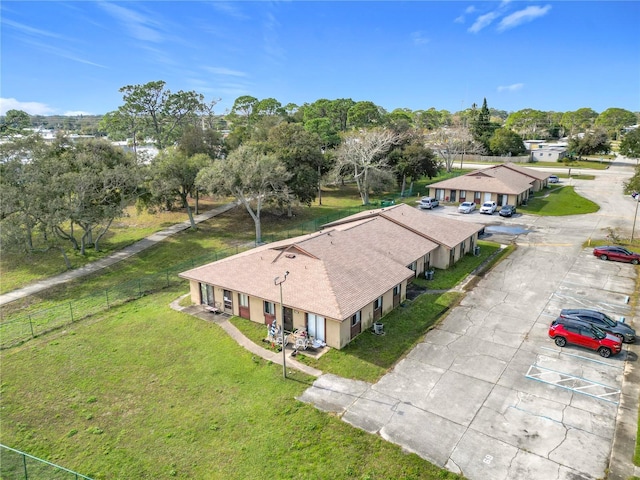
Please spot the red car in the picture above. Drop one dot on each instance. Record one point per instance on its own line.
(619, 254)
(564, 331)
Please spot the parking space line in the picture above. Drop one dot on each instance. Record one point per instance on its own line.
(586, 302)
(573, 383)
(619, 367)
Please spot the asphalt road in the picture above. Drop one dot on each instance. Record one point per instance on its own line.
(487, 393)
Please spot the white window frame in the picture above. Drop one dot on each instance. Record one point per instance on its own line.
(269, 308)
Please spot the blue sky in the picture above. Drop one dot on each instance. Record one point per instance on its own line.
(73, 57)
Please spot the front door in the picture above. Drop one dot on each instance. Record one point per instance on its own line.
(206, 294)
(228, 302)
(487, 196)
(315, 326)
(287, 313)
(356, 325)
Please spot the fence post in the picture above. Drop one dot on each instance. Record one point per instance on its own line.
(106, 292)
(31, 326)
(71, 311)
(24, 462)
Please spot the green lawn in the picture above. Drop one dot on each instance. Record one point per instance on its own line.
(559, 201)
(227, 230)
(369, 356)
(146, 392)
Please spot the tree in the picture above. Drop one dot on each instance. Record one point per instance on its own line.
(300, 152)
(85, 184)
(20, 192)
(173, 175)
(412, 159)
(158, 113)
(450, 142)
(630, 144)
(337, 111)
(15, 121)
(613, 120)
(249, 175)
(529, 123)
(268, 106)
(365, 114)
(506, 142)
(590, 143)
(432, 119)
(630, 147)
(481, 126)
(195, 140)
(365, 155)
(579, 121)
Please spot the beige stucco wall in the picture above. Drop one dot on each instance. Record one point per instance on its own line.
(337, 333)
(512, 199)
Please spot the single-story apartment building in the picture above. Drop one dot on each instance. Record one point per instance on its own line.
(506, 184)
(338, 281)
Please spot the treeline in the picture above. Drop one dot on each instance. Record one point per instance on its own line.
(68, 192)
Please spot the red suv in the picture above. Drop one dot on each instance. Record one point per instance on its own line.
(564, 330)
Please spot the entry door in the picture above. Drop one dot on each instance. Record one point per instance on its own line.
(315, 326)
(228, 301)
(206, 294)
(288, 318)
(487, 196)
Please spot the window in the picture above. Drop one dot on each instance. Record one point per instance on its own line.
(243, 299)
(396, 289)
(463, 194)
(355, 320)
(269, 308)
(377, 304)
(477, 196)
(413, 266)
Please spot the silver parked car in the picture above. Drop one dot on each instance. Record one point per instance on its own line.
(466, 207)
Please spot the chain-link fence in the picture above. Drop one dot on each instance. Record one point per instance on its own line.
(16, 465)
(20, 327)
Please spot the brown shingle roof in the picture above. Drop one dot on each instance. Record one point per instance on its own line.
(443, 231)
(330, 273)
(506, 178)
(338, 271)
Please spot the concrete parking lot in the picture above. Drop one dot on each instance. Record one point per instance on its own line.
(487, 393)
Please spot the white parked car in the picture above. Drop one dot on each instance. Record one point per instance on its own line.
(488, 207)
(554, 179)
(428, 202)
(466, 207)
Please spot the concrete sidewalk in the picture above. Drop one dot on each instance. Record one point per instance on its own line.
(111, 259)
(223, 320)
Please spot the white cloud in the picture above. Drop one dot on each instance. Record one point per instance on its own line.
(32, 108)
(467, 11)
(36, 32)
(139, 26)
(419, 38)
(483, 21)
(511, 88)
(225, 71)
(523, 16)
(228, 8)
